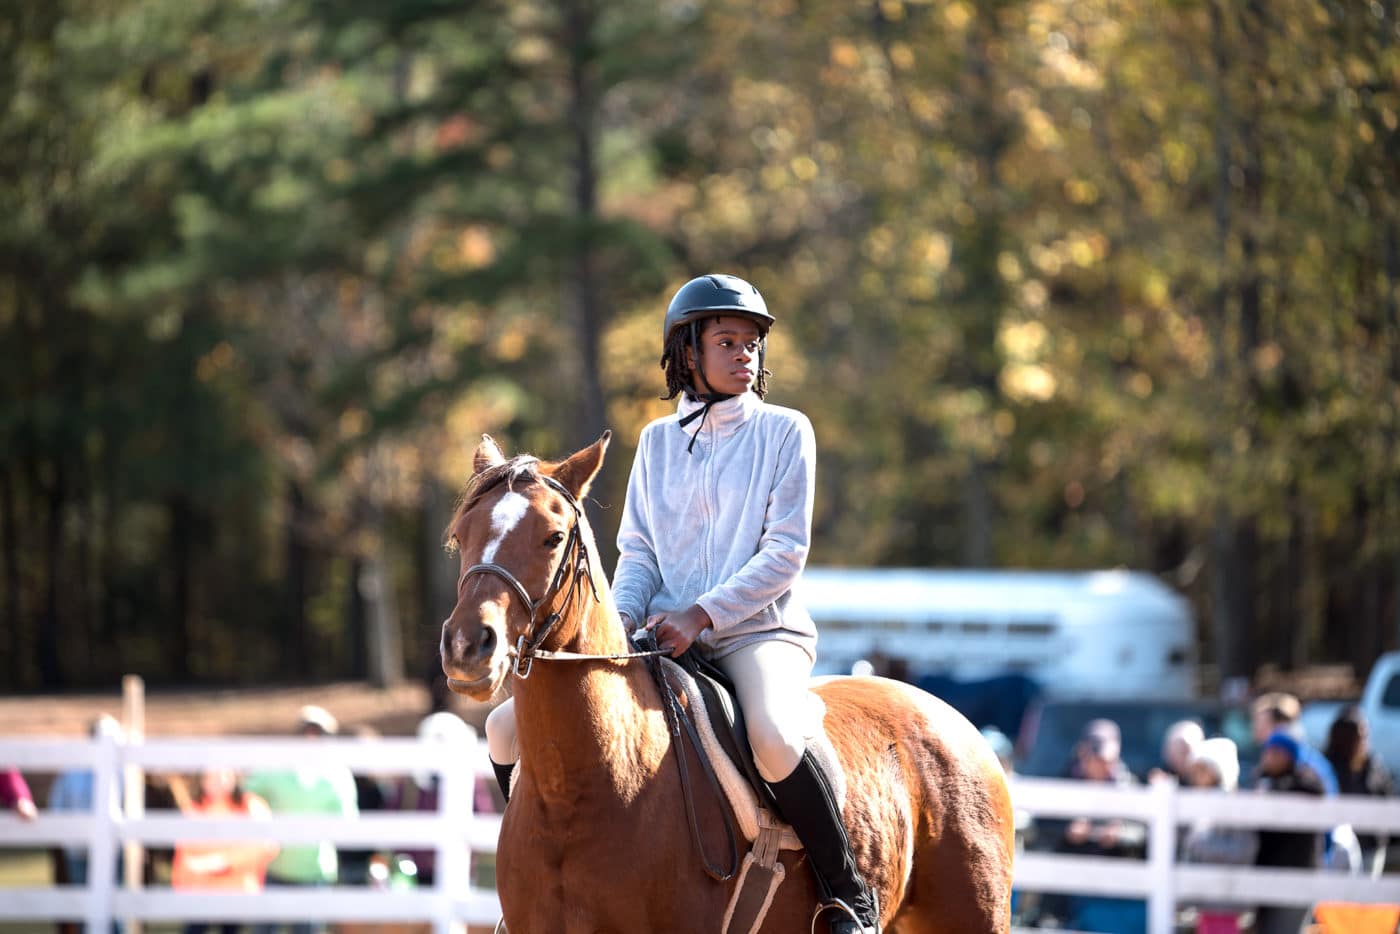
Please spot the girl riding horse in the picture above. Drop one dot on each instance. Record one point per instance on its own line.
(714, 534)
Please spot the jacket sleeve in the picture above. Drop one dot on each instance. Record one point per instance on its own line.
(787, 536)
(638, 575)
(13, 788)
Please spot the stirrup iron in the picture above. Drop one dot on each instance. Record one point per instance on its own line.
(845, 908)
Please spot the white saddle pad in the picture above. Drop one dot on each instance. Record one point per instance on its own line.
(742, 797)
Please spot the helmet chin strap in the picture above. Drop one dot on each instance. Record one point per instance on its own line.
(709, 397)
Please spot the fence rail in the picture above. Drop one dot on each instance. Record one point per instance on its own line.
(456, 832)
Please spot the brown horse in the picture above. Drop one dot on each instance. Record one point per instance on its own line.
(596, 836)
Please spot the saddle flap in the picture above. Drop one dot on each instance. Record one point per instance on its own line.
(726, 719)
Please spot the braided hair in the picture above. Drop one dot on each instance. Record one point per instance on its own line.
(673, 362)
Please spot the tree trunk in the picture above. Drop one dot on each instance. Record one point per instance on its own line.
(977, 533)
(1390, 505)
(297, 662)
(437, 589)
(385, 642)
(384, 648)
(86, 586)
(356, 614)
(181, 645)
(583, 107)
(588, 301)
(9, 529)
(1390, 497)
(1233, 542)
(52, 673)
(1232, 554)
(985, 293)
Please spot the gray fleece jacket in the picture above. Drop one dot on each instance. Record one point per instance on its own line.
(726, 525)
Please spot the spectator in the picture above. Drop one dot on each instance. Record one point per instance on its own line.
(1273, 712)
(14, 793)
(422, 790)
(1281, 770)
(1215, 763)
(223, 866)
(73, 790)
(310, 789)
(1098, 758)
(1278, 712)
(1359, 772)
(1178, 750)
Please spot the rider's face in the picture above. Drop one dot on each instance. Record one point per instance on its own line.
(729, 351)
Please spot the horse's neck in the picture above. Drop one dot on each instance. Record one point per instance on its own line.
(591, 726)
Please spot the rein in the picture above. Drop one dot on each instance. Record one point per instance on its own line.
(678, 717)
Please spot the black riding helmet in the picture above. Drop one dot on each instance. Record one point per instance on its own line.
(707, 297)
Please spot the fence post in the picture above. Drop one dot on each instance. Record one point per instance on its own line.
(133, 787)
(1161, 859)
(457, 777)
(102, 845)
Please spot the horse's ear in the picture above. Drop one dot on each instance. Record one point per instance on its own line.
(577, 473)
(488, 454)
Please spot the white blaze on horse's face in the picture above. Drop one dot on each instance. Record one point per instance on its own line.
(506, 515)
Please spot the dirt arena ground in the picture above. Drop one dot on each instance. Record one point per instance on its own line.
(216, 712)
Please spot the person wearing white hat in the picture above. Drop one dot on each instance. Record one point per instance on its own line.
(1215, 763)
(421, 790)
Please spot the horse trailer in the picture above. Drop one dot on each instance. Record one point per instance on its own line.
(1097, 634)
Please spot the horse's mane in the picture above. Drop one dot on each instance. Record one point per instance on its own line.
(520, 467)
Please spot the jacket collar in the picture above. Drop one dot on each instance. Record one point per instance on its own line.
(725, 417)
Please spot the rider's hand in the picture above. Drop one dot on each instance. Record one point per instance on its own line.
(628, 626)
(676, 631)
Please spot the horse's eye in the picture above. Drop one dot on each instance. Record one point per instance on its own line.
(555, 540)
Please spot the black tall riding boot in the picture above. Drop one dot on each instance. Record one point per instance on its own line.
(503, 773)
(809, 805)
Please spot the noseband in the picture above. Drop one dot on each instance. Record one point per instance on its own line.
(575, 553)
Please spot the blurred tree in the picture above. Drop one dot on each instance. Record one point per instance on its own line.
(1060, 285)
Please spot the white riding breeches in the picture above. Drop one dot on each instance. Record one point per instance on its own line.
(501, 743)
(771, 678)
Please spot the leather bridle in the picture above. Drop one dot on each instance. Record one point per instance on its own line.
(575, 555)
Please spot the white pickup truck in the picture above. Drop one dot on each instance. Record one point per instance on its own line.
(1380, 704)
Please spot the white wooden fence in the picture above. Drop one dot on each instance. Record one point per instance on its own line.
(1164, 882)
(456, 833)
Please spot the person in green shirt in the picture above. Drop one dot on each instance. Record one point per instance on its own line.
(312, 789)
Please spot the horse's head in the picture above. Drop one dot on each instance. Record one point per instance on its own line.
(526, 572)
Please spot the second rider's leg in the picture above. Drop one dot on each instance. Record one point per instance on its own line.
(501, 743)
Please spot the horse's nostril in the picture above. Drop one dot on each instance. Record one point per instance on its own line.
(488, 640)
